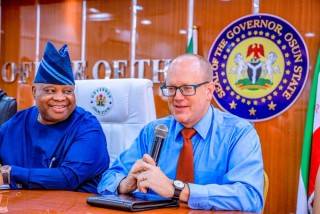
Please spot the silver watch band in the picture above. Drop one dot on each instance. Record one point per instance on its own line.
(5, 172)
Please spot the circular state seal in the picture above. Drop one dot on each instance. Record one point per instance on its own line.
(101, 100)
(260, 66)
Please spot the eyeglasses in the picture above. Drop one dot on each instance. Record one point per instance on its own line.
(185, 90)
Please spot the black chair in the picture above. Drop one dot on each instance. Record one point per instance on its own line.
(8, 107)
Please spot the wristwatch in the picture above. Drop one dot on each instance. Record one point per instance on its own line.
(5, 172)
(178, 187)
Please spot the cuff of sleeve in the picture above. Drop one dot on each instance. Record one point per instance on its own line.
(109, 184)
(198, 197)
(19, 175)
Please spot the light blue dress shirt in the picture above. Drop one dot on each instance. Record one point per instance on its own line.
(228, 163)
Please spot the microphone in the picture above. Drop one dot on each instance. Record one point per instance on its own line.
(160, 133)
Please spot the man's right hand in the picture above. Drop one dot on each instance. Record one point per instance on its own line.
(129, 183)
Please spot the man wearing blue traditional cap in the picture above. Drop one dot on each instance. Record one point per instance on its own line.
(55, 144)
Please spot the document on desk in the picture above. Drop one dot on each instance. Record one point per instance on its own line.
(133, 202)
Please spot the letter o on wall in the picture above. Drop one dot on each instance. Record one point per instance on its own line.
(12, 72)
(107, 69)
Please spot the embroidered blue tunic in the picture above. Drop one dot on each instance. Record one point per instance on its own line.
(68, 155)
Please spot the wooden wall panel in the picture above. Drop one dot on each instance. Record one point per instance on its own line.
(17, 42)
(164, 38)
(61, 24)
(10, 50)
(211, 17)
(109, 40)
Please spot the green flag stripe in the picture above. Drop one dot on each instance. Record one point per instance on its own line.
(190, 46)
(308, 131)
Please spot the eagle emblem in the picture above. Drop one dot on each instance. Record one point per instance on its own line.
(101, 101)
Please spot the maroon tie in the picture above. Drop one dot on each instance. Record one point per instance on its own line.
(185, 163)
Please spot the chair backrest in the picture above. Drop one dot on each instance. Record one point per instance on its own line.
(8, 106)
(123, 107)
(265, 188)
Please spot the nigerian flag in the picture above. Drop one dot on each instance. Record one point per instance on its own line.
(193, 42)
(311, 147)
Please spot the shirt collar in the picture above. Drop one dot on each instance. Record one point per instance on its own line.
(202, 127)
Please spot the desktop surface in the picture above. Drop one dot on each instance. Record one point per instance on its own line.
(53, 201)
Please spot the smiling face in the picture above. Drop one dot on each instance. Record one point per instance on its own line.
(55, 102)
(190, 70)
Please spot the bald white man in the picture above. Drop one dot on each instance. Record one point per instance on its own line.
(210, 159)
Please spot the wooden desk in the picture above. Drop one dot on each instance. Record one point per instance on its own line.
(52, 202)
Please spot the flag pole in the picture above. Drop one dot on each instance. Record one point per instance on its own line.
(190, 20)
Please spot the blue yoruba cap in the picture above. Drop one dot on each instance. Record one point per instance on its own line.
(55, 67)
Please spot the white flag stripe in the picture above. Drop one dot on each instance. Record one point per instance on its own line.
(302, 204)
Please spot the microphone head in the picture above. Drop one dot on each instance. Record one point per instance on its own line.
(161, 131)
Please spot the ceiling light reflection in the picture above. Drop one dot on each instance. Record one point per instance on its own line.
(139, 7)
(100, 17)
(146, 22)
(182, 31)
(93, 10)
(309, 34)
